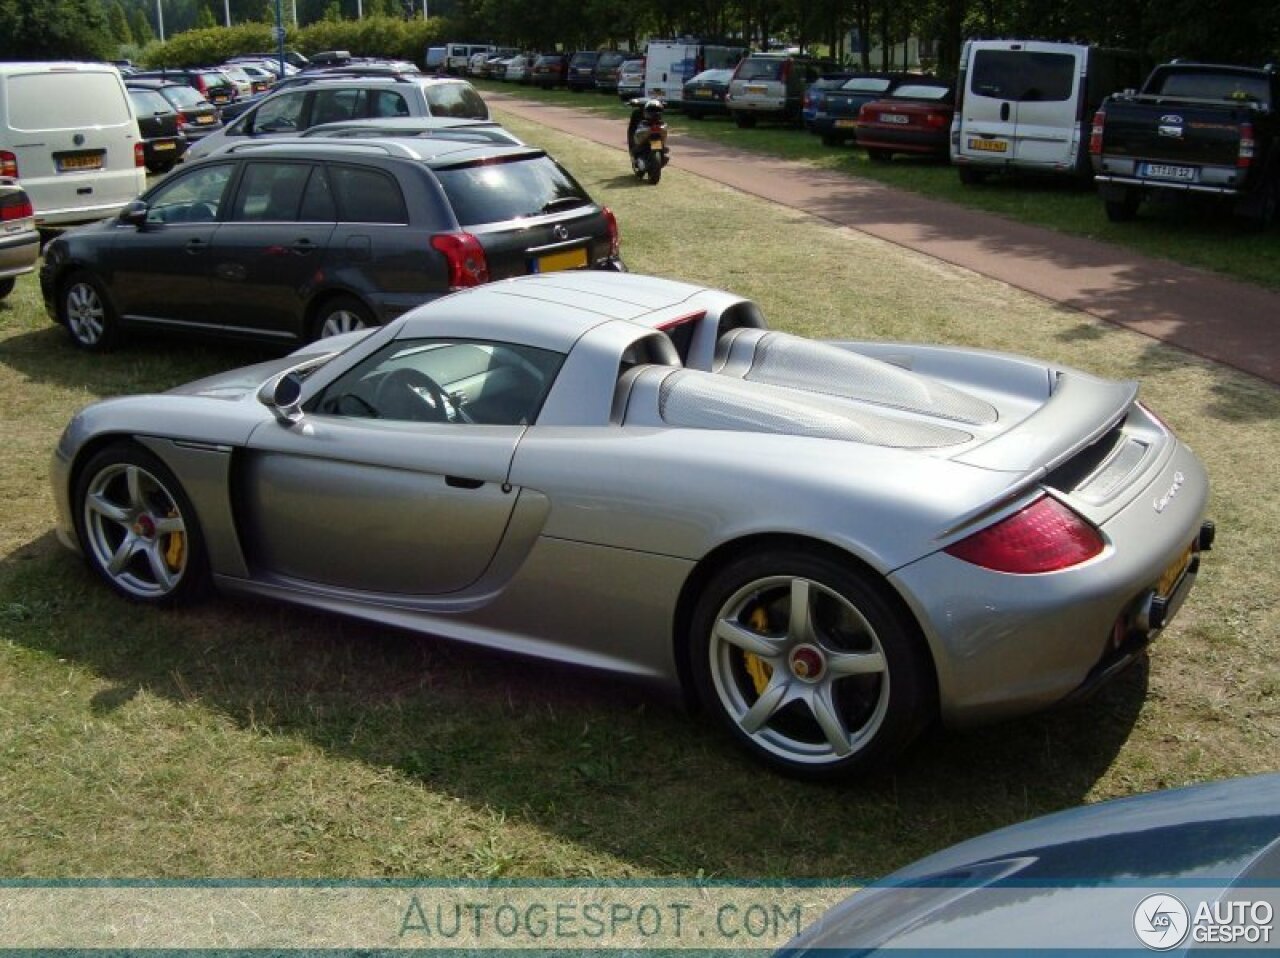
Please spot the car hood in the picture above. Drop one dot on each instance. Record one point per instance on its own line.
(237, 383)
(1075, 878)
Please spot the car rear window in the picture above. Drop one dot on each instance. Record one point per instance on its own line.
(515, 188)
(66, 100)
(148, 102)
(183, 97)
(753, 69)
(1023, 75)
(215, 79)
(922, 91)
(1216, 86)
(866, 84)
(583, 60)
(456, 99)
(609, 60)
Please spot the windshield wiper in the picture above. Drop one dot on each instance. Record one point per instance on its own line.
(563, 203)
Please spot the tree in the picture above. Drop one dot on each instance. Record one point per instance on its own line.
(118, 23)
(54, 30)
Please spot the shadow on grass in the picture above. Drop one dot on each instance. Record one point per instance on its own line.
(607, 763)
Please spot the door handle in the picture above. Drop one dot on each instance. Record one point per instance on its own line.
(462, 482)
(195, 246)
(303, 246)
(1004, 112)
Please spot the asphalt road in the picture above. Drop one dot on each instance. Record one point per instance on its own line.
(1221, 319)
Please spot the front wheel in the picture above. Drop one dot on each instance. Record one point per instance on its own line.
(87, 313)
(137, 527)
(160, 167)
(745, 121)
(342, 314)
(809, 666)
(879, 156)
(971, 177)
(1124, 209)
(653, 168)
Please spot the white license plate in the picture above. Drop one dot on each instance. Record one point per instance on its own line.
(1163, 171)
(894, 118)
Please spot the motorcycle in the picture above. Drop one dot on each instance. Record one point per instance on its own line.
(647, 138)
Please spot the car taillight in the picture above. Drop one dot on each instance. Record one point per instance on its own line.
(864, 115)
(611, 228)
(1245, 159)
(1095, 133)
(8, 164)
(16, 207)
(182, 122)
(139, 155)
(786, 71)
(464, 257)
(201, 85)
(1042, 537)
(939, 121)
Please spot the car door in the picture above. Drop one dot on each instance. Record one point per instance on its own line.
(389, 484)
(160, 270)
(270, 247)
(1046, 133)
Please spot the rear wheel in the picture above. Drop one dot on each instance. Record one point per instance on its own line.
(809, 666)
(87, 313)
(971, 177)
(745, 121)
(6, 286)
(879, 156)
(137, 527)
(159, 167)
(1125, 208)
(830, 139)
(653, 167)
(342, 314)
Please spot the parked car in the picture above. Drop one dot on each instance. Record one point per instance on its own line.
(1025, 106)
(549, 70)
(915, 119)
(489, 64)
(160, 128)
(1089, 880)
(1209, 129)
(199, 116)
(520, 68)
(19, 238)
(213, 85)
(770, 86)
(608, 63)
(311, 237)
(631, 79)
(436, 127)
(457, 55)
(239, 79)
(582, 71)
(704, 95)
(864, 535)
(259, 76)
(327, 100)
(68, 133)
(835, 106)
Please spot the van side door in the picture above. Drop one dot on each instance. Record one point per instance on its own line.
(1046, 114)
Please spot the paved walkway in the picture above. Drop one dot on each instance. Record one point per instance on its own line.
(1228, 321)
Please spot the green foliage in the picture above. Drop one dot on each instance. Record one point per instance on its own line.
(54, 30)
(118, 23)
(372, 36)
(204, 18)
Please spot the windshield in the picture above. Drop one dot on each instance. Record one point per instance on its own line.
(921, 91)
(759, 69)
(519, 187)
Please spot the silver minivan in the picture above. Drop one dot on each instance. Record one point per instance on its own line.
(1026, 105)
(68, 132)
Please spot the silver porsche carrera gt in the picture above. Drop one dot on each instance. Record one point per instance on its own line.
(828, 544)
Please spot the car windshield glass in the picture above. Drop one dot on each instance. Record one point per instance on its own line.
(456, 99)
(583, 60)
(183, 97)
(866, 84)
(70, 100)
(497, 192)
(921, 91)
(1220, 86)
(1023, 76)
(147, 102)
(754, 69)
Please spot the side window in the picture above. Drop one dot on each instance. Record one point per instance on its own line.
(367, 196)
(317, 201)
(445, 381)
(192, 198)
(271, 192)
(331, 106)
(281, 114)
(388, 103)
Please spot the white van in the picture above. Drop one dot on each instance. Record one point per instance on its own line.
(457, 56)
(1026, 105)
(68, 132)
(669, 63)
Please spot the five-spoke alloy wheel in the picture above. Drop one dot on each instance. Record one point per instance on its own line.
(88, 314)
(809, 664)
(137, 527)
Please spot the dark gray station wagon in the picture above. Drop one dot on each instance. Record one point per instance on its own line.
(294, 240)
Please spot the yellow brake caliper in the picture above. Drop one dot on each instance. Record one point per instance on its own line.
(176, 550)
(759, 670)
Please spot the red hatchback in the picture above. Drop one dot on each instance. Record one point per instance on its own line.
(915, 119)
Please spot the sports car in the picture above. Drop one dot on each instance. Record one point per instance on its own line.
(828, 544)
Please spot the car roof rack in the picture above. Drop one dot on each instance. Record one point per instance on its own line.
(410, 148)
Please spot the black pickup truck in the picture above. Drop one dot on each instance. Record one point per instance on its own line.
(1193, 128)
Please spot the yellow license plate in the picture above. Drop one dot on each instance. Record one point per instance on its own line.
(1169, 579)
(569, 259)
(90, 162)
(846, 124)
(204, 119)
(164, 146)
(757, 89)
(702, 93)
(989, 146)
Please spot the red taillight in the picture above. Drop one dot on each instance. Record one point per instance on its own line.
(8, 164)
(611, 227)
(201, 85)
(16, 208)
(1245, 159)
(786, 71)
(1043, 537)
(864, 115)
(182, 122)
(939, 121)
(1095, 133)
(808, 102)
(139, 155)
(464, 257)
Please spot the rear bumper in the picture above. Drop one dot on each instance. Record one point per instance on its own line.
(904, 141)
(1125, 182)
(18, 253)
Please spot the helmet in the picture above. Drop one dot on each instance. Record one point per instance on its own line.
(652, 109)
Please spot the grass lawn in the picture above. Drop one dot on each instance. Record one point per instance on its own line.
(1197, 234)
(240, 739)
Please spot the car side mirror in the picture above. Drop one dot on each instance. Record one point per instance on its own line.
(135, 213)
(280, 394)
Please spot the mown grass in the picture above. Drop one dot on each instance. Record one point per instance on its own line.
(253, 740)
(1196, 233)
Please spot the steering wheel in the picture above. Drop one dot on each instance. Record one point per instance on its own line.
(400, 396)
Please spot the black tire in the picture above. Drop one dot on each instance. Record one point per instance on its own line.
(138, 529)
(1125, 209)
(971, 177)
(853, 657)
(340, 314)
(83, 307)
(653, 168)
(745, 121)
(830, 139)
(6, 286)
(879, 156)
(694, 114)
(160, 167)
(1262, 215)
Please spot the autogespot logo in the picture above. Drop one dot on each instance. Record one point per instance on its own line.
(1160, 922)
